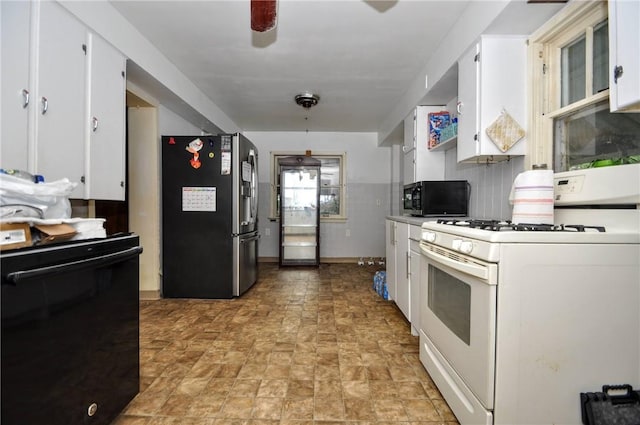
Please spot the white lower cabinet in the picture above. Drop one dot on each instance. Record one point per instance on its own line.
(414, 277)
(402, 268)
(390, 250)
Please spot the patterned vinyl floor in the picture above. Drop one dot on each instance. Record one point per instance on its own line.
(304, 346)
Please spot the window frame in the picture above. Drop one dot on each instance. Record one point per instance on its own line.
(545, 62)
(274, 214)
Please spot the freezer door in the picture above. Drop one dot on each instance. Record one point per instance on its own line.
(197, 216)
(246, 265)
(246, 185)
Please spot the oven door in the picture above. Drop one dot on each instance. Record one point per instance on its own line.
(458, 318)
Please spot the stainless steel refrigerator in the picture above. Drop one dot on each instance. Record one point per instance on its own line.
(209, 216)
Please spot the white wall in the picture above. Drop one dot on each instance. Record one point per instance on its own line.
(144, 193)
(368, 191)
(172, 124)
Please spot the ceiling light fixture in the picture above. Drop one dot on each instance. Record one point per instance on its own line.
(307, 100)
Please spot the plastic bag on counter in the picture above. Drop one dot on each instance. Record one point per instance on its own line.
(23, 198)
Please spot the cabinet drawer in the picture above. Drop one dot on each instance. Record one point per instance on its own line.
(415, 232)
(414, 245)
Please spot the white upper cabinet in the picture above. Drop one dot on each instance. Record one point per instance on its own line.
(408, 148)
(491, 80)
(419, 162)
(60, 96)
(15, 91)
(624, 55)
(63, 100)
(105, 148)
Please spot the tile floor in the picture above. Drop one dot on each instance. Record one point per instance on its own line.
(304, 346)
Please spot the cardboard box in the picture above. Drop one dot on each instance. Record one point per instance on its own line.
(14, 235)
(54, 232)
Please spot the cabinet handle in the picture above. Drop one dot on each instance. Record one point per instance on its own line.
(459, 107)
(393, 234)
(94, 124)
(408, 264)
(45, 105)
(617, 73)
(25, 98)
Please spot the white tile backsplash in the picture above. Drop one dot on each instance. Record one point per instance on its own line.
(490, 184)
(365, 219)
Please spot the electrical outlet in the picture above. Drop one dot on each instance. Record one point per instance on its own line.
(378, 202)
(267, 232)
(348, 233)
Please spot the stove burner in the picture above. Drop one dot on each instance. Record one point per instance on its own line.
(497, 225)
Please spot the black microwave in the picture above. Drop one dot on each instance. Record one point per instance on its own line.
(437, 198)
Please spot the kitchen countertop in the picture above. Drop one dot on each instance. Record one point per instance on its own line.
(417, 221)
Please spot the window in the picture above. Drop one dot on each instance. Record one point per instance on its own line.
(571, 126)
(332, 186)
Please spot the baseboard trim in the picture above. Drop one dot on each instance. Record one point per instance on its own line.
(328, 260)
(155, 294)
(150, 295)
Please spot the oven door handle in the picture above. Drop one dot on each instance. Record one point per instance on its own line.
(101, 261)
(473, 269)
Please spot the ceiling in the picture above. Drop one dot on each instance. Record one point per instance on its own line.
(359, 56)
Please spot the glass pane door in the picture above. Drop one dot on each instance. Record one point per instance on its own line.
(299, 215)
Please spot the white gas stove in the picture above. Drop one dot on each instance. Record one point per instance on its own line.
(517, 320)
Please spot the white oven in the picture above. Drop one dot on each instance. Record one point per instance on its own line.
(460, 314)
(516, 321)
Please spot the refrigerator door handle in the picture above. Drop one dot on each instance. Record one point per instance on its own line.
(253, 160)
(101, 261)
(251, 239)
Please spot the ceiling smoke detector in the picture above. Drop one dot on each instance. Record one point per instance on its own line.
(307, 100)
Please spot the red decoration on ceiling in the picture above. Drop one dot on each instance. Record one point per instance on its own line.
(263, 15)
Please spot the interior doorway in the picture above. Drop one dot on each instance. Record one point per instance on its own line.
(117, 212)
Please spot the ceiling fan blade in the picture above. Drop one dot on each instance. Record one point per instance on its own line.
(263, 15)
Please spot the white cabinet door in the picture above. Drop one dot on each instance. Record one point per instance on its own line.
(402, 268)
(390, 229)
(408, 148)
(415, 256)
(491, 79)
(429, 164)
(624, 55)
(60, 99)
(419, 162)
(468, 86)
(414, 290)
(15, 91)
(105, 173)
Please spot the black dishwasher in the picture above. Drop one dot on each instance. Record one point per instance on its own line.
(69, 341)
